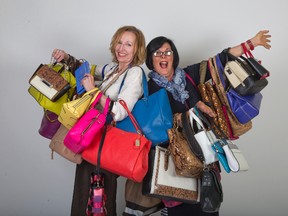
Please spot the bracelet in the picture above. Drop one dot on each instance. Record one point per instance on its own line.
(250, 44)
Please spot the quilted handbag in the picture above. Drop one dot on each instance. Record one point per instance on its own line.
(123, 153)
(163, 182)
(83, 132)
(153, 114)
(55, 106)
(72, 111)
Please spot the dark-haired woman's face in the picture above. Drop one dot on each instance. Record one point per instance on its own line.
(163, 61)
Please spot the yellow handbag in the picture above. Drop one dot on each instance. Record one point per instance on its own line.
(73, 110)
(55, 106)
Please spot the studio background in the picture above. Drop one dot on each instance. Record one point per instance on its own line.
(33, 184)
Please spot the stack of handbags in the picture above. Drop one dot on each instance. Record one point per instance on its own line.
(229, 155)
(245, 75)
(245, 108)
(237, 127)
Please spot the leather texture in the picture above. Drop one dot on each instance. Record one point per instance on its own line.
(122, 153)
(72, 111)
(49, 124)
(211, 192)
(57, 145)
(153, 114)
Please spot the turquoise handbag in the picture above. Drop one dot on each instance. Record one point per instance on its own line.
(153, 114)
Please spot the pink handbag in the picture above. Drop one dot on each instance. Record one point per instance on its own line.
(82, 133)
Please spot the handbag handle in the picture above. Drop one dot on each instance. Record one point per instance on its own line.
(247, 52)
(133, 120)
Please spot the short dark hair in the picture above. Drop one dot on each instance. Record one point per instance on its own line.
(154, 45)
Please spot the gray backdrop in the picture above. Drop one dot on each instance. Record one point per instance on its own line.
(33, 184)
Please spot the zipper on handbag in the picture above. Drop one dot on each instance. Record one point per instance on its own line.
(90, 124)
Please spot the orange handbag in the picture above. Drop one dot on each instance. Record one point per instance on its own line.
(122, 153)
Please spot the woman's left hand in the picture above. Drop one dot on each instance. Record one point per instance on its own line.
(262, 38)
(205, 109)
(88, 82)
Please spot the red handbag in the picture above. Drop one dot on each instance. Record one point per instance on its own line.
(123, 153)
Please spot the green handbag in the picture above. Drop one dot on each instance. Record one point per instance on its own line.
(55, 106)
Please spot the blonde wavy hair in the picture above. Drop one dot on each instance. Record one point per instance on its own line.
(140, 44)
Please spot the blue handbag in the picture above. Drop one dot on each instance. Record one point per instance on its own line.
(79, 75)
(245, 108)
(217, 147)
(153, 114)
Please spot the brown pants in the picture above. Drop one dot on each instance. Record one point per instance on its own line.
(82, 186)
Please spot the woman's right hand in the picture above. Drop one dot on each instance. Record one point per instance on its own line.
(59, 55)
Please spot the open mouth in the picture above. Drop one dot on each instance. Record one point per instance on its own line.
(163, 64)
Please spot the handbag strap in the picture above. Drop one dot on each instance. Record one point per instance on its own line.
(102, 140)
(203, 68)
(97, 99)
(133, 120)
(247, 52)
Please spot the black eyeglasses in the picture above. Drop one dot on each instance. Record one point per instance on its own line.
(166, 53)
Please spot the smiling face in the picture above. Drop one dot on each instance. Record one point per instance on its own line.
(125, 48)
(163, 64)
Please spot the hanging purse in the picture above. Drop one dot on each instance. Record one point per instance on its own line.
(72, 111)
(202, 137)
(83, 132)
(245, 108)
(49, 124)
(243, 79)
(96, 205)
(45, 102)
(260, 71)
(158, 116)
(57, 145)
(124, 153)
(186, 162)
(163, 182)
(49, 82)
(211, 194)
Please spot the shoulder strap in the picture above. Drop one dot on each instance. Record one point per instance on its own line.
(203, 68)
(103, 71)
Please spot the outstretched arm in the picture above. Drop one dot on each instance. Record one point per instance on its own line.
(262, 38)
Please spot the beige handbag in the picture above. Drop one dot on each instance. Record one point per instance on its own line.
(57, 145)
(73, 110)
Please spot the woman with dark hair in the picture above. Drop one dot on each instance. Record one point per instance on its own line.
(163, 59)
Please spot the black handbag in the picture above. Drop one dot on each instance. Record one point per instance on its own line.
(211, 194)
(242, 77)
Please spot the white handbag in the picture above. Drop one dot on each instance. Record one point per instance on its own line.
(163, 182)
(202, 138)
(236, 160)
